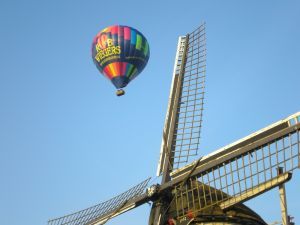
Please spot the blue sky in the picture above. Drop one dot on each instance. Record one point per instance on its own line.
(67, 142)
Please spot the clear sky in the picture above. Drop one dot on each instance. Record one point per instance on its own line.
(67, 142)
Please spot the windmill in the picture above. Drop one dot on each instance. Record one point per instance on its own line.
(212, 188)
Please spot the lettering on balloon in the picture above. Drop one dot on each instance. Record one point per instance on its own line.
(136, 58)
(106, 52)
(102, 38)
(113, 57)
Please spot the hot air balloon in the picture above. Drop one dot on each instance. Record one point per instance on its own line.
(120, 53)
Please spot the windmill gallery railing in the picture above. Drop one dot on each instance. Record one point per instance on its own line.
(241, 170)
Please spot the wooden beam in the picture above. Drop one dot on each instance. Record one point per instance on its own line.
(264, 187)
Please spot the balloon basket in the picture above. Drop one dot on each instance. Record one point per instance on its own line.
(120, 92)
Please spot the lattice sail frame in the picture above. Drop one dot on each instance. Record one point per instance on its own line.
(242, 170)
(183, 122)
(103, 211)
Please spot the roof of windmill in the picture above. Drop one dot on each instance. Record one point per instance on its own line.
(213, 214)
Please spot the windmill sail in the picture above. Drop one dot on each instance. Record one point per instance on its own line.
(101, 213)
(183, 121)
(241, 170)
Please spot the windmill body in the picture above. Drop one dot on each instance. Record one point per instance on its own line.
(209, 189)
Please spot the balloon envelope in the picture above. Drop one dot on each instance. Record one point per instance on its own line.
(120, 53)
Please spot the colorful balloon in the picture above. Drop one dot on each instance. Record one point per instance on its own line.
(120, 54)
